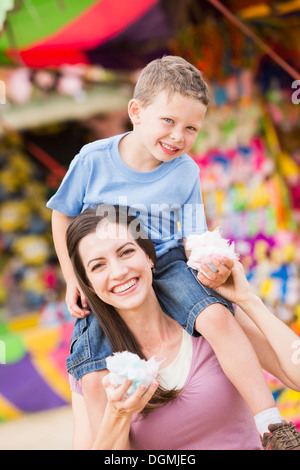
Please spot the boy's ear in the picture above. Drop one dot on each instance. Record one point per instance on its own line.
(134, 107)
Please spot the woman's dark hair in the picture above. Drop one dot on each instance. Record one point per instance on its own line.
(115, 329)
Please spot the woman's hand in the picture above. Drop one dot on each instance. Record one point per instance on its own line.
(120, 404)
(237, 288)
(114, 430)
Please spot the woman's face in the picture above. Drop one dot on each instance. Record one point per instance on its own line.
(117, 268)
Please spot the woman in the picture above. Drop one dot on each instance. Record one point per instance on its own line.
(194, 399)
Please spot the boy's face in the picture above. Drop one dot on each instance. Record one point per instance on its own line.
(168, 127)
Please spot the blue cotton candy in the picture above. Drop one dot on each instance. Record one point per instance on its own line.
(128, 366)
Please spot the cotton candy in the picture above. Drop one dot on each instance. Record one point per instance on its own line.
(128, 366)
(207, 246)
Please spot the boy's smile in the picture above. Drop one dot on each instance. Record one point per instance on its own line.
(169, 149)
(163, 130)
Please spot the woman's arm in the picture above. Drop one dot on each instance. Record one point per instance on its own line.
(106, 430)
(114, 430)
(276, 345)
(114, 421)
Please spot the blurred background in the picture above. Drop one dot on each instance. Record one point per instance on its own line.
(67, 71)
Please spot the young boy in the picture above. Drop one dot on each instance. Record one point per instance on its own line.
(149, 171)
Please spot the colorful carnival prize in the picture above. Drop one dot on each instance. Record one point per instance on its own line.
(208, 246)
(128, 366)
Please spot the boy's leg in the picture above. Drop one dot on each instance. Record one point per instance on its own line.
(199, 310)
(236, 356)
(89, 347)
(179, 291)
(240, 364)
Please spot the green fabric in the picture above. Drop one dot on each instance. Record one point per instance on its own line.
(38, 19)
(12, 347)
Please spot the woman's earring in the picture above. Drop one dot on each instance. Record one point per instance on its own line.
(153, 269)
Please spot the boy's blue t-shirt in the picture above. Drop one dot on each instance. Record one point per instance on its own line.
(161, 198)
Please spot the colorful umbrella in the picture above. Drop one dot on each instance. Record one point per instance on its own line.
(43, 33)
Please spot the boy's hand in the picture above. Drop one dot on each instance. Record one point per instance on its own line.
(216, 279)
(76, 302)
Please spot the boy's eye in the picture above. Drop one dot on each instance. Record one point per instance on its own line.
(192, 128)
(169, 120)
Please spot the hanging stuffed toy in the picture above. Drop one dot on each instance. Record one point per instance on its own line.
(208, 246)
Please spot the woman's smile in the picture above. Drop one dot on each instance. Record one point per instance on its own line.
(126, 287)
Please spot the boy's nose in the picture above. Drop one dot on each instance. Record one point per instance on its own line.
(177, 136)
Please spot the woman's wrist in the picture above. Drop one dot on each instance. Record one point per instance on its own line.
(117, 415)
(248, 301)
(114, 430)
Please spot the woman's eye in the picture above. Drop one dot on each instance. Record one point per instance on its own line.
(97, 266)
(169, 120)
(127, 252)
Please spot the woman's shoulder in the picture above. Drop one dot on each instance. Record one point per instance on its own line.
(203, 355)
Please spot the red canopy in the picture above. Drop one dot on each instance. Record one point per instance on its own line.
(53, 35)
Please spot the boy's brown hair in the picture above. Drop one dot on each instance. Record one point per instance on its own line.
(172, 74)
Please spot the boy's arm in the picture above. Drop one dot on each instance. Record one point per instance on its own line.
(60, 223)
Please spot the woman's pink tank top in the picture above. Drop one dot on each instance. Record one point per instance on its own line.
(208, 414)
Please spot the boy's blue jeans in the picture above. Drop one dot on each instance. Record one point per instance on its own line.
(180, 294)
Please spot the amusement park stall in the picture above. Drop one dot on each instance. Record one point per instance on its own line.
(68, 83)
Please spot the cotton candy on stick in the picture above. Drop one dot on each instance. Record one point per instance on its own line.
(208, 246)
(128, 366)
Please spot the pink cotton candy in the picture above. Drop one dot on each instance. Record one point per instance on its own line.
(208, 246)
